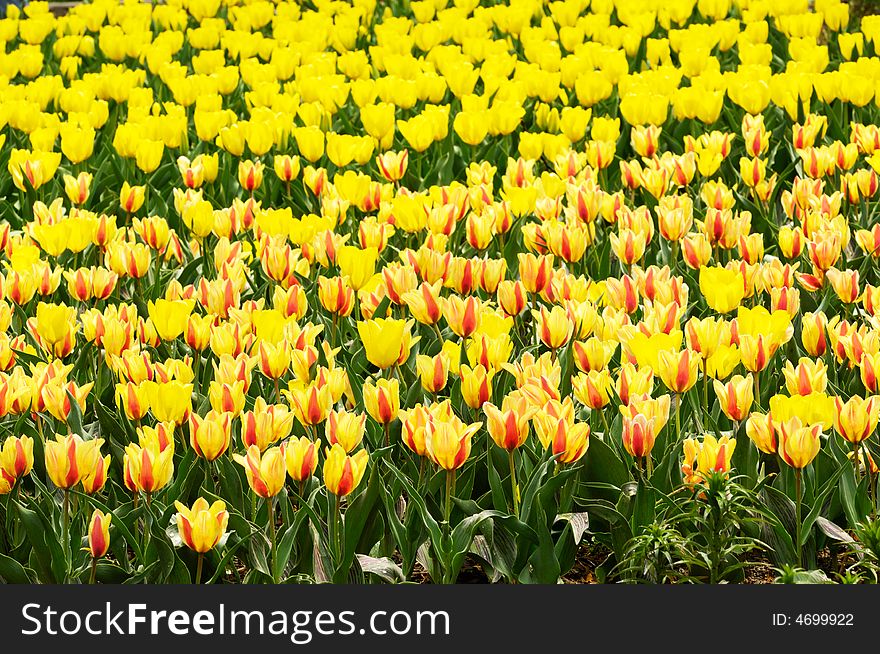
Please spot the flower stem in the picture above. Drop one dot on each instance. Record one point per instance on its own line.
(797, 506)
(678, 416)
(513, 485)
(450, 490)
(337, 529)
(94, 572)
(272, 536)
(199, 568)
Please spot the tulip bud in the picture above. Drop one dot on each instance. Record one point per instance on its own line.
(99, 534)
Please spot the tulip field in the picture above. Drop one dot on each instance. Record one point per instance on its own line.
(440, 291)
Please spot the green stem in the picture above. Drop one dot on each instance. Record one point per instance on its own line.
(797, 506)
(199, 568)
(605, 426)
(870, 481)
(705, 387)
(513, 485)
(678, 416)
(272, 537)
(855, 460)
(450, 490)
(94, 572)
(438, 334)
(337, 529)
(65, 528)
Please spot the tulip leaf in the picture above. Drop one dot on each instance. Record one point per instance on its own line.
(47, 551)
(383, 567)
(13, 572)
(819, 503)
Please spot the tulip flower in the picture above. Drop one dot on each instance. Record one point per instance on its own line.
(638, 437)
(346, 429)
(98, 539)
(433, 371)
(382, 401)
(301, 458)
(210, 436)
(131, 198)
(170, 317)
(342, 472)
(735, 397)
(855, 420)
(723, 288)
(266, 424)
(383, 340)
(16, 458)
(146, 469)
(807, 377)
(798, 446)
(201, 527)
(265, 472)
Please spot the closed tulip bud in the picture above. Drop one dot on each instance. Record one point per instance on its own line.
(633, 382)
(476, 385)
(210, 436)
(735, 396)
(535, 272)
(791, 241)
(170, 316)
(678, 370)
(638, 435)
(424, 303)
(512, 297)
(392, 165)
(799, 445)
(856, 419)
(336, 295)
(413, 424)
(382, 400)
(553, 327)
(77, 188)
(169, 401)
(813, 333)
(845, 284)
(274, 359)
(462, 314)
(99, 534)
(203, 526)
(227, 397)
(250, 175)
(198, 331)
(342, 472)
(593, 389)
(762, 432)
(723, 288)
(645, 139)
(286, 167)
(696, 250)
(383, 340)
(433, 371)
(133, 399)
(756, 351)
(301, 457)
(869, 371)
(628, 246)
(131, 198)
(265, 472)
(16, 459)
(94, 479)
(346, 429)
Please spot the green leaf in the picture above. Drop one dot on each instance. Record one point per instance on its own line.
(13, 572)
